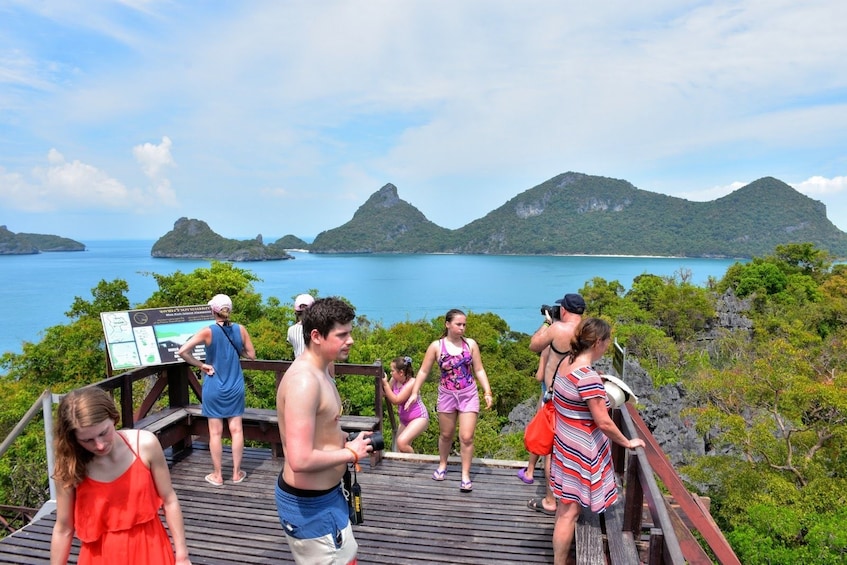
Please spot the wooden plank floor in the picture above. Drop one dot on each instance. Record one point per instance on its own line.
(409, 518)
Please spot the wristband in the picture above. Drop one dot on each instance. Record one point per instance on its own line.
(355, 457)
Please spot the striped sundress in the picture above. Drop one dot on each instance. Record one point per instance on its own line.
(581, 469)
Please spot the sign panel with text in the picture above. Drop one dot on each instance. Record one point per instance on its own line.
(152, 336)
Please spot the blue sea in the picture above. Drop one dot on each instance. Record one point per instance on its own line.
(37, 290)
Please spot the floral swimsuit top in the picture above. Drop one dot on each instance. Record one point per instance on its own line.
(456, 373)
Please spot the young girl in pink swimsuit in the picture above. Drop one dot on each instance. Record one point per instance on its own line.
(398, 389)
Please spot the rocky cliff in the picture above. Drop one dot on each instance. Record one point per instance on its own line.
(661, 408)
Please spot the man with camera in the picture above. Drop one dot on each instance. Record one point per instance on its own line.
(311, 502)
(553, 341)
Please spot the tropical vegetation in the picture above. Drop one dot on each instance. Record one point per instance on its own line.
(769, 398)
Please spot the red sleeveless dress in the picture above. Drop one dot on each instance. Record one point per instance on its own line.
(118, 522)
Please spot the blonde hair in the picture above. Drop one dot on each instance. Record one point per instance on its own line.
(78, 409)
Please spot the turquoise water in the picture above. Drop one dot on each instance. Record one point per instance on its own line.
(39, 289)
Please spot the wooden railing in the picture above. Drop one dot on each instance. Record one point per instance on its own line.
(176, 421)
(169, 416)
(671, 540)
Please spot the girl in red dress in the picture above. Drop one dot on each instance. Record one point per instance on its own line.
(110, 486)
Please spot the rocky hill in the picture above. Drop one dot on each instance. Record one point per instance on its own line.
(32, 243)
(383, 224)
(194, 239)
(574, 213)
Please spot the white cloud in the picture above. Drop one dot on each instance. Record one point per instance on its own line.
(278, 192)
(74, 185)
(713, 193)
(817, 186)
(154, 158)
(469, 102)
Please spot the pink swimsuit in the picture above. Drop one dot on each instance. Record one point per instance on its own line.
(416, 410)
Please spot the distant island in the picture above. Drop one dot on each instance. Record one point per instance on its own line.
(577, 214)
(194, 239)
(32, 243)
(569, 214)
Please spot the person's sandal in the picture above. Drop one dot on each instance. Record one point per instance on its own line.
(537, 504)
(466, 486)
(526, 479)
(439, 474)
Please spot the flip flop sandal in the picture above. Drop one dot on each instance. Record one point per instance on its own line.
(241, 476)
(537, 504)
(211, 481)
(439, 474)
(466, 486)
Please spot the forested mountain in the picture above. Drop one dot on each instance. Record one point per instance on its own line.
(30, 243)
(384, 224)
(574, 213)
(194, 239)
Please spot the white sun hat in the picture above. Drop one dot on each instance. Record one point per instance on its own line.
(618, 391)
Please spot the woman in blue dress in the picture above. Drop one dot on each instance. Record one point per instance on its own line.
(223, 383)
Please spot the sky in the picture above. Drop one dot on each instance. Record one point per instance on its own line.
(279, 117)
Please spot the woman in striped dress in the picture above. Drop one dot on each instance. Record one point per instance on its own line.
(581, 471)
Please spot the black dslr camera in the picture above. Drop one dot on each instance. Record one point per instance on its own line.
(377, 441)
(554, 311)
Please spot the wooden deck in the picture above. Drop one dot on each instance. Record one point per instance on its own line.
(409, 518)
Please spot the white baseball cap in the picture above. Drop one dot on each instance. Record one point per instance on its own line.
(302, 302)
(219, 302)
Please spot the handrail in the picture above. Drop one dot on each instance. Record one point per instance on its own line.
(176, 379)
(671, 541)
(43, 404)
(26, 419)
(696, 513)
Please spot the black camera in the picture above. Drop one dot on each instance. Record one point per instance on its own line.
(377, 441)
(554, 311)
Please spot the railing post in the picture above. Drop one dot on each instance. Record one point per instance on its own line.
(378, 392)
(656, 548)
(47, 409)
(177, 385)
(634, 498)
(618, 451)
(127, 411)
(178, 396)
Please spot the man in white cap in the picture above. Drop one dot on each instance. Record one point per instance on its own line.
(295, 332)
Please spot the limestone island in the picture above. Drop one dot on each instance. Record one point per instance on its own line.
(33, 243)
(194, 239)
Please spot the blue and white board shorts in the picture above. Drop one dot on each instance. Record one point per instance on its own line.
(317, 528)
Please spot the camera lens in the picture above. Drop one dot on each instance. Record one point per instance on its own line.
(377, 441)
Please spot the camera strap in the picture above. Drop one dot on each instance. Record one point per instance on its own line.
(353, 494)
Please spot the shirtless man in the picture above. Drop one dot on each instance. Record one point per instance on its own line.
(309, 495)
(553, 341)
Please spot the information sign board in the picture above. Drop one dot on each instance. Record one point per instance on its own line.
(152, 336)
